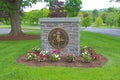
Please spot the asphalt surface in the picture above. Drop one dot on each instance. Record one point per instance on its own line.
(6, 31)
(109, 31)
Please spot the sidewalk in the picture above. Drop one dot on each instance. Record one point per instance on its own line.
(109, 31)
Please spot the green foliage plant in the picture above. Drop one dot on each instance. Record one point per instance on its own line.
(54, 55)
(111, 19)
(37, 54)
(88, 54)
(95, 14)
(69, 57)
(37, 49)
(118, 20)
(73, 7)
(98, 22)
(30, 56)
(87, 21)
(85, 54)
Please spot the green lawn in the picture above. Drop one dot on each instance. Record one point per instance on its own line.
(4, 26)
(103, 44)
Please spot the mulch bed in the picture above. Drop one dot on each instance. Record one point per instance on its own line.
(77, 63)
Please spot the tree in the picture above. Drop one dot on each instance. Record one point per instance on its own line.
(111, 19)
(57, 9)
(45, 12)
(80, 14)
(95, 14)
(13, 7)
(31, 18)
(118, 20)
(87, 21)
(98, 22)
(73, 7)
(104, 16)
(112, 9)
(24, 18)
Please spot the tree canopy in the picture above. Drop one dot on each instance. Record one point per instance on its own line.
(73, 7)
(95, 14)
(57, 9)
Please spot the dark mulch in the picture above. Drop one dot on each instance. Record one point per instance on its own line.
(77, 63)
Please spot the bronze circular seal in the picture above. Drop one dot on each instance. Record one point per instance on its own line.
(58, 38)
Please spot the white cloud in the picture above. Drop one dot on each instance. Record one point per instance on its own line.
(37, 6)
(98, 4)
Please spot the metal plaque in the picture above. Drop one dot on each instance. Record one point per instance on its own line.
(58, 38)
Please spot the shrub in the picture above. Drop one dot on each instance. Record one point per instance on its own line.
(87, 57)
(96, 56)
(98, 22)
(37, 54)
(88, 54)
(42, 56)
(30, 56)
(55, 55)
(87, 21)
(70, 57)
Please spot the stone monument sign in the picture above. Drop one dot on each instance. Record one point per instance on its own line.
(61, 33)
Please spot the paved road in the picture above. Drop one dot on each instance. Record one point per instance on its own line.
(6, 31)
(109, 31)
(113, 32)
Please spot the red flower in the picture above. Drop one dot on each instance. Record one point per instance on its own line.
(91, 51)
(36, 53)
(55, 51)
(96, 56)
(58, 51)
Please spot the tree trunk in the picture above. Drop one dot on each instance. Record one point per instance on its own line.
(15, 24)
(15, 19)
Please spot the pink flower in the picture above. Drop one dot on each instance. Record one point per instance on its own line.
(58, 51)
(91, 51)
(40, 55)
(36, 53)
(96, 56)
(55, 51)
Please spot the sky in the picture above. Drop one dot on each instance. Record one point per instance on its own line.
(86, 5)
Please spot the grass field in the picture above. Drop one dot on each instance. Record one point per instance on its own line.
(103, 44)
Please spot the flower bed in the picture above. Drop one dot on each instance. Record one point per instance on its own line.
(87, 58)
